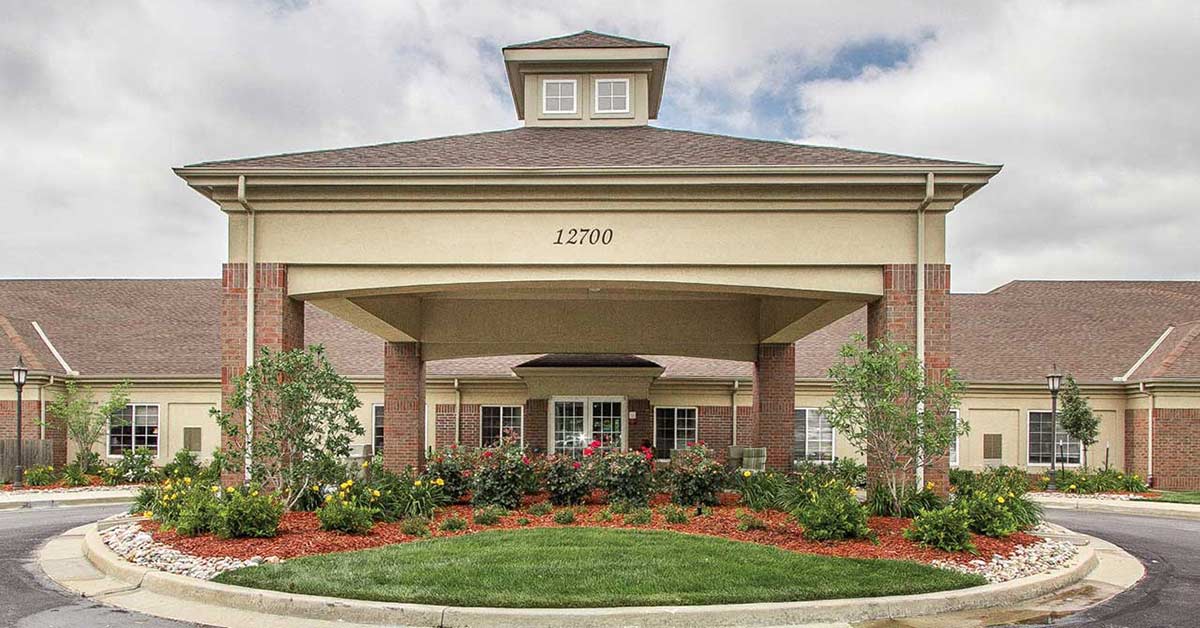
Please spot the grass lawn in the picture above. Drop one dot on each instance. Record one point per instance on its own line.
(1180, 497)
(576, 567)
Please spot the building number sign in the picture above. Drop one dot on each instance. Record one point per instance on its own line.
(585, 236)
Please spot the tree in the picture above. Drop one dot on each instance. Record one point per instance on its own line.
(84, 421)
(1076, 416)
(887, 408)
(303, 416)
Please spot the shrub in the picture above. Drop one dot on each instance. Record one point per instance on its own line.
(247, 512)
(638, 517)
(40, 475)
(850, 471)
(760, 491)
(833, 514)
(144, 501)
(674, 514)
(882, 503)
(489, 516)
(323, 474)
(946, 528)
(541, 509)
(564, 517)
(620, 508)
(695, 476)
(500, 476)
(989, 515)
(415, 526)
(75, 475)
(184, 464)
(136, 466)
(566, 480)
(1000, 489)
(523, 521)
(604, 515)
(400, 495)
(454, 465)
(198, 511)
(625, 476)
(453, 524)
(345, 516)
(917, 501)
(747, 522)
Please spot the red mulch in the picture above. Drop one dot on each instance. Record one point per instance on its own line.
(300, 535)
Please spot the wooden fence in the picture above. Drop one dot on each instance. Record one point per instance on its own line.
(33, 452)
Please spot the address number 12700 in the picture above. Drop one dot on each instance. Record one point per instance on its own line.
(585, 236)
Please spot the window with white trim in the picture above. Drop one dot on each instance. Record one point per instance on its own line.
(674, 428)
(499, 422)
(813, 437)
(954, 443)
(133, 427)
(1041, 443)
(377, 429)
(558, 96)
(612, 95)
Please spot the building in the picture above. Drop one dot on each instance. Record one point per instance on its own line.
(588, 275)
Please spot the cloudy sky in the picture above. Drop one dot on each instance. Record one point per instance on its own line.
(1091, 106)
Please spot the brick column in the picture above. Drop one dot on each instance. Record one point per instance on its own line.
(404, 406)
(278, 325)
(895, 315)
(775, 403)
(536, 425)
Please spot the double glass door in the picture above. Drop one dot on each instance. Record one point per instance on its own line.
(577, 421)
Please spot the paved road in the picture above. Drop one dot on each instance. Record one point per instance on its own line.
(27, 599)
(1169, 595)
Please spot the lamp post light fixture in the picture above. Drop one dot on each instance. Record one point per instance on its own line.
(1053, 382)
(19, 373)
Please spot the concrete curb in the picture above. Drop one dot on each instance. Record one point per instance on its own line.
(67, 499)
(313, 607)
(1134, 508)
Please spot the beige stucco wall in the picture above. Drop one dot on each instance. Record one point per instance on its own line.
(180, 405)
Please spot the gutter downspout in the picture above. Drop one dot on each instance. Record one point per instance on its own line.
(457, 413)
(929, 190)
(1149, 437)
(251, 276)
(42, 410)
(733, 405)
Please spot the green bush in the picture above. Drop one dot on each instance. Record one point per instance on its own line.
(184, 464)
(247, 512)
(401, 495)
(624, 476)
(917, 501)
(638, 517)
(501, 476)
(747, 522)
(523, 521)
(761, 490)
(415, 526)
(620, 508)
(1000, 489)
(674, 514)
(695, 476)
(488, 515)
(324, 474)
(947, 528)
(75, 475)
(989, 515)
(40, 475)
(850, 471)
(833, 514)
(144, 501)
(454, 466)
(136, 466)
(564, 517)
(566, 480)
(1091, 482)
(541, 509)
(197, 513)
(912, 502)
(453, 524)
(346, 517)
(604, 515)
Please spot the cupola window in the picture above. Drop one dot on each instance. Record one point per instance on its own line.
(612, 96)
(558, 96)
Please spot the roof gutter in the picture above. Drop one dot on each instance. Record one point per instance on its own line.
(251, 276)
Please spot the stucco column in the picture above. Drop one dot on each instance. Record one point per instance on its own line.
(403, 406)
(278, 325)
(895, 316)
(775, 403)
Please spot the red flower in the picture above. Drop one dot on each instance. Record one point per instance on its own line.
(487, 454)
(525, 459)
(453, 446)
(577, 465)
(595, 444)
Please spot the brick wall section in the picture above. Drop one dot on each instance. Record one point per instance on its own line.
(403, 406)
(895, 315)
(1135, 441)
(472, 429)
(278, 325)
(774, 402)
(1176, 448)
(641, 431)
(443, 421)
(715, 427)
(31, 429)
(536, 417)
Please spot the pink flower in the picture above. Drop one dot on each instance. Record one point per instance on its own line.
(595, 444)
(577, 465)
(587, 451)
(525, 459)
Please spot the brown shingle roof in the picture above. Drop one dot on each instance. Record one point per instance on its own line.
(18, 337)
(587, 39)
(1094, 330)
(566, 147)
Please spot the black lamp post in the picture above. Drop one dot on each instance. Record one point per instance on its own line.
(1053, 381)
(19, 373)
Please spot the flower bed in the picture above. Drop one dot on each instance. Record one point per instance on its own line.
(61, 487)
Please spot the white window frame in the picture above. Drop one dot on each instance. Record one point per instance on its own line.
(502, 406)
(675, 428)
(832, 437)
(954, 454)
(587, 419)
(376, 424)
(158, 418)
(596, 95)
(1053, 446)
(574, 96)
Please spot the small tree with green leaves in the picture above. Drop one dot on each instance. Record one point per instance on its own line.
(84, 420)
(888, 410)
(1076, 417)
(303, 415)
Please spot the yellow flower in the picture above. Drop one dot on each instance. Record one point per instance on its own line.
(50, 468)
(850, 489)
(316, 489)
(148, 514)
(366, 464)
(349, 482)
(342, 494)
(439, 482)
(187, 480)
(329, 498)
(1072, 487)
(417, 483)
(214, 489)
(228, 489)
(746, 473)
(345, 503)
(375, 493)
(1000, 500)
(254, 494)
(1011, 494)
(929, 486)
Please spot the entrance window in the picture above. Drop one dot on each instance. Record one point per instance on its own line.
(133, 427)
(500, 422)
(576, 422)
(674, 428)
(1042, 445)
(377, 429)
(813, 437)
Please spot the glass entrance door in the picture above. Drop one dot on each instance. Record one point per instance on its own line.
(577, 421)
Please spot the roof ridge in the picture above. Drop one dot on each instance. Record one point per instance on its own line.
(545, 40)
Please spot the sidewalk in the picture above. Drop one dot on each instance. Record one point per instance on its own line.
(1131, 507)
(16, 500)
